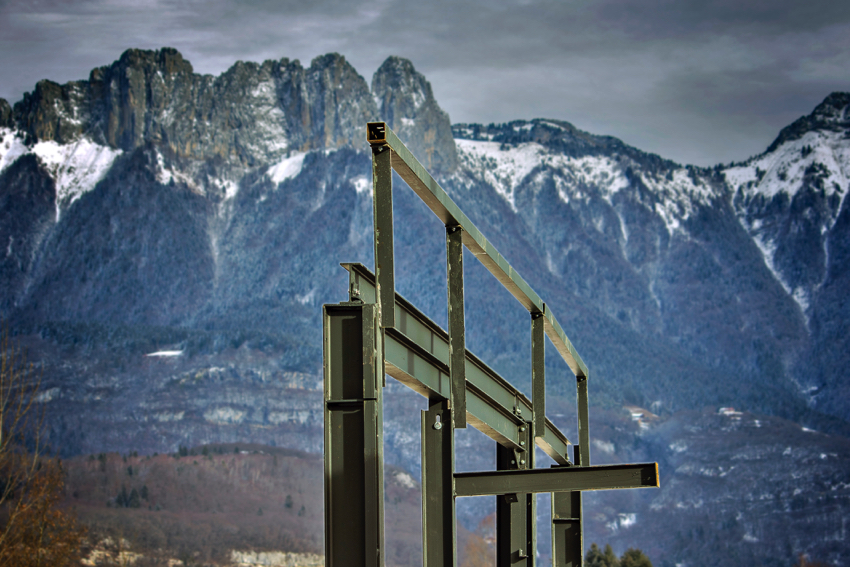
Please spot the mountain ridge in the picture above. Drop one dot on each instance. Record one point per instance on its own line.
(635, 209)
(206, 217)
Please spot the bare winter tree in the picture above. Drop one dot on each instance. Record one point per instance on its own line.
(34, 530)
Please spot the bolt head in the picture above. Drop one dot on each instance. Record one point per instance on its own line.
(438, 425)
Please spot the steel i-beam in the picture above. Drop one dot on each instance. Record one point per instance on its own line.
(354, 485)
(439, 526)
(457, 341)
(515, 511)
(567, 528)
(382, 205)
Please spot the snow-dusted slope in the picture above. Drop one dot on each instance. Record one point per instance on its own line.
(75, 167)
(789, 199)
(506, 167)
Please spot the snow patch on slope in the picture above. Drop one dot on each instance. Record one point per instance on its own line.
(362, 185)
(166, 175)
(287, 168)
(506, 167)
(677, 193)
(11, 147)
(600, 171)
(782, 170)
(824, 155)
(75, 168)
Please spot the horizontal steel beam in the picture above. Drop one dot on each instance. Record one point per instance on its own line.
(416, 351)
(557, 479)
(418, 178)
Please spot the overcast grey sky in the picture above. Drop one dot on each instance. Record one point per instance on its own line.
(697, 81)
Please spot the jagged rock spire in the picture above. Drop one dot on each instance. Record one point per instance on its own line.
(407, 104)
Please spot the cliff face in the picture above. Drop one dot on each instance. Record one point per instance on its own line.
(409, 108)
(252, 113)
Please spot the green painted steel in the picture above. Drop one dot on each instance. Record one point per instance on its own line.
(457, 341)
(567, 537)
(377, 332)
(538, 373)
(417, 354)
(583, 421)
(354, 499)
(557, 479)
(378, 134)
(562, 344)
(567, 532)
(512, 536)
(439, 530)
(382, 203)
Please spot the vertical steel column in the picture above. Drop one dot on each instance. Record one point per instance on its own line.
(583, 420)
(439, 525)
(530, 500)
(354, 484)
(567, 529)
(457, 341)
(382, 209)
(515, 513)
(538, 373)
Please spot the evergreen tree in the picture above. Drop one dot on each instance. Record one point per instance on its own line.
(133, 501)
(122, 498)
(635, 558)
(631, 558)
(597, 558)
(611, 559)
(594, 557)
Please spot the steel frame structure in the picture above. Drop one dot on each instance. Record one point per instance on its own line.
(377, 332)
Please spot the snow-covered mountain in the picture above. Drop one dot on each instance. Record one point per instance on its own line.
(150, 208)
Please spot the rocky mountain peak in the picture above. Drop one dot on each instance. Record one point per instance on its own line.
(250, 115)
(831, 114)
(167, 60)
(834, 108)
(407, 104)
(340, 102)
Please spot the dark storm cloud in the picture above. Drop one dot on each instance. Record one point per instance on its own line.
(697, 81)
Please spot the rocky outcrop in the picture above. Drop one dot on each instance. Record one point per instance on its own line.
(251, 114)
(408, 106)
(831, 114)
